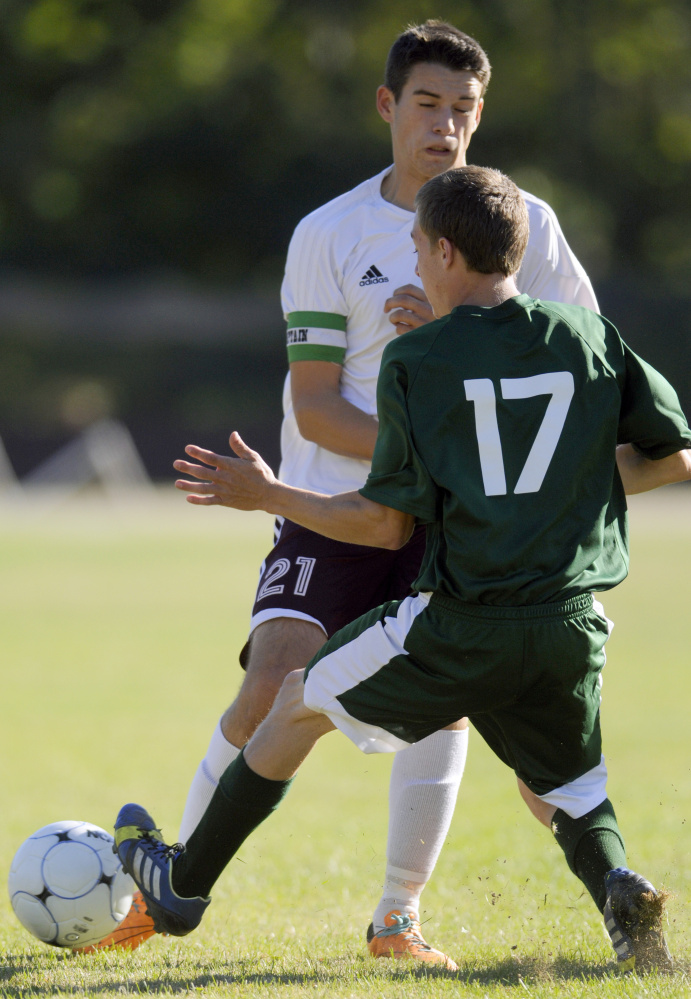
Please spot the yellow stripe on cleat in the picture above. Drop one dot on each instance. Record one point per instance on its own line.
(134, 832)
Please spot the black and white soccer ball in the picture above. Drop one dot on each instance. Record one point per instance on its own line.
(66, 885)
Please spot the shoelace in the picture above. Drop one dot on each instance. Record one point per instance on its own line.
(160, 849)
(405, 926)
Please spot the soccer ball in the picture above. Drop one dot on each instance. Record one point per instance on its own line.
(66, 885)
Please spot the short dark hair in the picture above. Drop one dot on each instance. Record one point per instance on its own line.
(434, 41)
(480, 211)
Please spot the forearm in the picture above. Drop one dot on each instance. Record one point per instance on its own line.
(640, 474)
(337, 425)
(246, 482)
(347, 517)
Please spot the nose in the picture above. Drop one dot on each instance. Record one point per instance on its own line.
(417, 272)
(444, 124)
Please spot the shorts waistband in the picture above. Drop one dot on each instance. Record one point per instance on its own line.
(573, 607)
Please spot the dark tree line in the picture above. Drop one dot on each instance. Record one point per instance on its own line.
(190, 135)
(181, 140)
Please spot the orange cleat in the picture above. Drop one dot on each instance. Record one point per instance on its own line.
(136, 927)
(402, 938)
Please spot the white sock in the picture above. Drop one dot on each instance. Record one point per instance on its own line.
(422, 795)
(219, 756)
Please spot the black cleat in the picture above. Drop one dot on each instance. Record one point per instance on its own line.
(633, 918)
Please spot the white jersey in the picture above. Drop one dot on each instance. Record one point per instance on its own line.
(345, 259)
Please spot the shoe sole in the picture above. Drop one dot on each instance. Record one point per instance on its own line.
(442, 961)
(128, 938)
(647, 937)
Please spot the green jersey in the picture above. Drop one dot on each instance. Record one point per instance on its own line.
(498, 429)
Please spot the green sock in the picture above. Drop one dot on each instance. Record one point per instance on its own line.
(240, 803)
(592, 846)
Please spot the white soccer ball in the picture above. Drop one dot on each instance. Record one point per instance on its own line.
(66, 885)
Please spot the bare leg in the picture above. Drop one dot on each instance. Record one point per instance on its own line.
(277, 647)
(288, 733)
(251, 788)
(543, 812)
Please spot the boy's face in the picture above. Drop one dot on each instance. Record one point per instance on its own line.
(429, 268)
(433, 120)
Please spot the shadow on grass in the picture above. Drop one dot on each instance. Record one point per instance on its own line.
(518, 971)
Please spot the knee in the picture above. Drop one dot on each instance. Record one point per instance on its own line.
(290, 705)
(291, 696)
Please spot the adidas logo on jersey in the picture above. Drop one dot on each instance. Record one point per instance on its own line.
(373, 276)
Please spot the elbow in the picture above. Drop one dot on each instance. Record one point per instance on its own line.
(395, 535)
(390, 543)
(399, 540)
(676, 468)
(683, 465)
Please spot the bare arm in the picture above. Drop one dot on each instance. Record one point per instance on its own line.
(324, 416)
(247, 483)
(640, 474)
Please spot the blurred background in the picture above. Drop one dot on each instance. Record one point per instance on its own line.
(155, 156)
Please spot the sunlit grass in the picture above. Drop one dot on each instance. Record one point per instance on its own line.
(120, 628)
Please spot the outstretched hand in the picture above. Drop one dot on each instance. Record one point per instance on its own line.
(408, 308)
(242, 483)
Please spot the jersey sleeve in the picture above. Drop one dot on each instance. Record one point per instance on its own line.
(398, 477)
(651, 416)
(550, 269)
(312, 297)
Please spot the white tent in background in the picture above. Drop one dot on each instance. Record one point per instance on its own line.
(103, 453)
(8, 480)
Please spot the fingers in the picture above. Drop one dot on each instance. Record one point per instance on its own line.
(404, 317)
(203, 500)
(411, 291)
(408, 308)
(219, 461)
(209, 457)
(408, 296)
(198, 471)
(238, 481)
(240, 448)
(200, 488)
(199, 493)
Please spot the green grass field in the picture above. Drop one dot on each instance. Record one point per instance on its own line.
(120, 626)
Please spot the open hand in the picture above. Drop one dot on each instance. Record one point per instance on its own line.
(242, 482)
(408, 308)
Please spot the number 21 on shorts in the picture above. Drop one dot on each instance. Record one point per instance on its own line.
(559, 386)
(279, 569)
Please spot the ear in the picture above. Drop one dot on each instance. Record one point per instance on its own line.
(385, 103)
(478, 113)
(448, 252)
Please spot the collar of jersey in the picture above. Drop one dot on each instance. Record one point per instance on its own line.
(507, 308)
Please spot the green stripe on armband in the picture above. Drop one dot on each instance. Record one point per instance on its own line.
(315, 352)
(316, 320)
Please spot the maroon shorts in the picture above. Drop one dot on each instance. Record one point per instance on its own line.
(330, 583)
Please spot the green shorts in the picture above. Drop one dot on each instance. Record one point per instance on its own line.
(527, 677)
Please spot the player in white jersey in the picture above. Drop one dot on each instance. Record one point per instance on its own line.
(349, 289)
(343, 262)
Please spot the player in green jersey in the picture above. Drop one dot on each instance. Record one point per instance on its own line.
(499, 425)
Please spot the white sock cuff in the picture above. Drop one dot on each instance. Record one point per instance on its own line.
(401, 874)
(220, 753)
